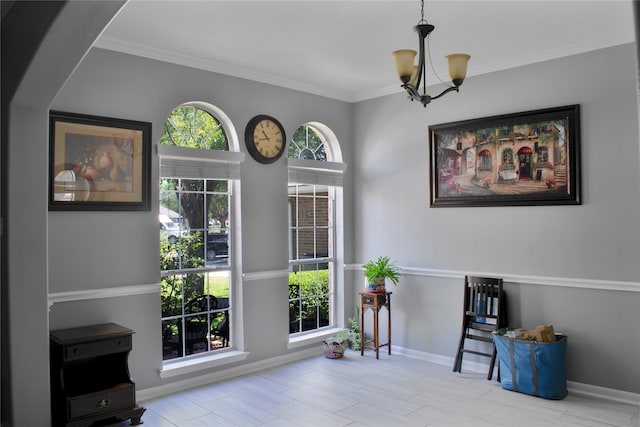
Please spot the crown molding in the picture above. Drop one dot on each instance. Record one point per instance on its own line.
(215, 67)
(609, 39)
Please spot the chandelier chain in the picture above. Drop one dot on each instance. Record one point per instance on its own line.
(435, 73)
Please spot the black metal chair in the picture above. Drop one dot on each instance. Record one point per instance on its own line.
(196, 329)
(483, 312)
(221, 331)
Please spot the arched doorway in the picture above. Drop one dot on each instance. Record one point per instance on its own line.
(524, 159)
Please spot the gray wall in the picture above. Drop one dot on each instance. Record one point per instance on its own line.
(598, 240)
(102, 250)
(63, 46)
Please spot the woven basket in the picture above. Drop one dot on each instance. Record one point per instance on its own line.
(333, 349)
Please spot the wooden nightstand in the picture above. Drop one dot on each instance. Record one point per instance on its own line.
(374, 301)
(90, 375)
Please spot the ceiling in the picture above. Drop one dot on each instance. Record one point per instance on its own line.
(342, 49)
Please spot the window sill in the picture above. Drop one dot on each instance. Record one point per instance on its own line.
(312, 338)
(172, 369)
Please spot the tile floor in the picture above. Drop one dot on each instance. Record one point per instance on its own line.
(362, 391)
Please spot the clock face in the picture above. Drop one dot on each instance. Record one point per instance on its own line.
(265, 139)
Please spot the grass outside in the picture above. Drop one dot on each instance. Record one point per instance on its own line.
(218, 284)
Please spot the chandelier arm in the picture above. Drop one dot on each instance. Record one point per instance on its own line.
(414, 95)
(412, 91)
(447, 90)
(423, 29)
(421, 69)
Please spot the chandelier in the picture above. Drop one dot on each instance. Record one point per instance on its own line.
(412, 75)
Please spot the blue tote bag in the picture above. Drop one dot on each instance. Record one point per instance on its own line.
(534, 368)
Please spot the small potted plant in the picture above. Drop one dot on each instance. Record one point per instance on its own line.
(334, 347)
(378, 271)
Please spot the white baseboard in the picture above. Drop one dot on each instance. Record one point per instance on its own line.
(579, 389)
(589, 390)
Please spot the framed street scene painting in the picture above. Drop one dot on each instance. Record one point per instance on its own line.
(528, 158)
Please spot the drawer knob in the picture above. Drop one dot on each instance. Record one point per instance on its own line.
(103, 403)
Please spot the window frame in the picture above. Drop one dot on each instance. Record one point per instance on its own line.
(328, 172)
(189, 163)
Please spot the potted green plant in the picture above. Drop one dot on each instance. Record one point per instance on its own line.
(335, 346)
(350, 338)
(378, 271)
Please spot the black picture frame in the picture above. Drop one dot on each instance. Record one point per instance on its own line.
(520, 159)
(98, 163)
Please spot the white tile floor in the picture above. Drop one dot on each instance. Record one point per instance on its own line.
(362, 391)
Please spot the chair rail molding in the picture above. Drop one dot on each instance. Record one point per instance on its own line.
(567, 282)
(114, 292)
(261, 275)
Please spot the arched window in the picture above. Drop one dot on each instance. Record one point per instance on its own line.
(308, 144)
(315, 197)
(507, 159)
(196, 218)
(193, 127)
(484, 159)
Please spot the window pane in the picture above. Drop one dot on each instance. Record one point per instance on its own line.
(306, 243)
(193, 127)
(309, 297)
(322, 243)
(193, 185)
(193, 290)
(214, 185)
(171, 296)
(196, 334)
(171, 339)
(217, 211)
(218, 285)
(217, 248)
(192, 249)
(295, 254)
(220, 329)
(192, 205)
(307, 144)
(295, 308)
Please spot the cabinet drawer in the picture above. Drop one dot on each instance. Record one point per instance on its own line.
(368, 299)
(121, 396)
(97, 348)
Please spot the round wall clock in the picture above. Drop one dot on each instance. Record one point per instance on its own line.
(265, 138)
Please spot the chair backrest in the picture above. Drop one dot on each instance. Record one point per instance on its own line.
(201, 304)
(483, 299)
